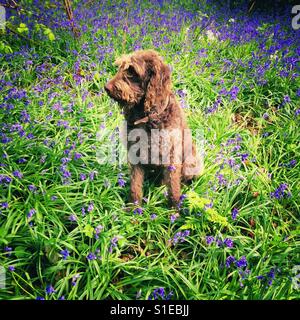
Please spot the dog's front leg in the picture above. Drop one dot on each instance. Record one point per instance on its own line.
(136, 184)
(172, 178)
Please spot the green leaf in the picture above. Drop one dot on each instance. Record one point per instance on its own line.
(196, 202)
(89, 231)
(97, 76)
(215, 217)
(22, 28)
(187, 226)
(51, 36)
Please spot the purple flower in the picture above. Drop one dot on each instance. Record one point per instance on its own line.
(231, 163)
(265, 116)
(242, 262)
(113, 243)
(293, 163)
(90, 207)
(77, 155)
(11, 268)
(221, 180)
(171, 168)
(269, 277)
(53, 198)
(98, 229)
(39, 298)
(8, 250)
(121, 182)
(229, 261)
(31, 213)
(74, 279)
(219, 242)
(180, 237)
(244, 156)
(82, 176)
(65, 253)
(281, 192)
(286, 99)
(173, 218)
(233, 93)
(209, 240)
(4, 205)
(91, 256)
(49, 289)
(234, 213)
(153, 216)
(160, 293)
(92, 175)
(17, 174)
(138, 211)
(32, 188)
(265, 134)
(65, 160)
(271, 274)
(72, 217)
(228, 242)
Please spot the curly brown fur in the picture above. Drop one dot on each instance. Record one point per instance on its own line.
(142, 86)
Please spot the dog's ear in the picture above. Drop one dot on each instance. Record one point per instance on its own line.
(159, 86)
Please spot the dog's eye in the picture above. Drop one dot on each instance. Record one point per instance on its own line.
(131, 72)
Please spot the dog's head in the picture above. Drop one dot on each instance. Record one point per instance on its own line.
(142, 77)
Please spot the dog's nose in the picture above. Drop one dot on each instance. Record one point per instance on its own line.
(108, 87)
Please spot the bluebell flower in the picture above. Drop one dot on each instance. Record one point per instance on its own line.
(8, 250)
(91, 256)
(4, 205)
(234, 213)
(153, 216)
(32, 187)
(90, 207)
(244, 156)
(74, 279)
(31, 213)
(209, 240)
(50, 289)
(11, 268)
(160, 293)
(121, 182)
(77, 155)
(293, 163)
(82, 176)
(241, 263)
(65, 253)
(17, 174)
(98, 229)
(228, 242)
(173, 217)
(281, 192)
(229, 261)
(138, 211)
(72, 217)
(171, 168)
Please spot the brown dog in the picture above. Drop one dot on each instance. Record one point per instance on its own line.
(142, 87)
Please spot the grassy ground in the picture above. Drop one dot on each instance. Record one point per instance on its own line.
(64, 232)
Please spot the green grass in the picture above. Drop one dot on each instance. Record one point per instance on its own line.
(266, 230)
